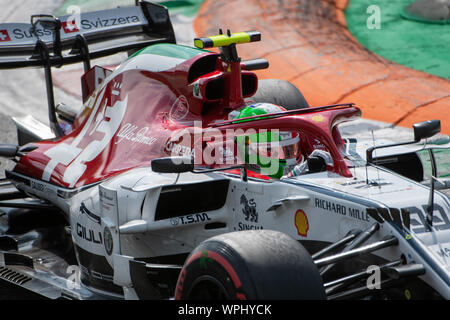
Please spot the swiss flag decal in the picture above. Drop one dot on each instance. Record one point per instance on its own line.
(70, 26)
(4, 36)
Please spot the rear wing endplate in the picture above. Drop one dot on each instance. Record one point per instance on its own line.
(89, 35)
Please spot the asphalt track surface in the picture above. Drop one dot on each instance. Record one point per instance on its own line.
(307, 42)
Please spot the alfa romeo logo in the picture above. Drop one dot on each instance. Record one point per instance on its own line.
(179, 109)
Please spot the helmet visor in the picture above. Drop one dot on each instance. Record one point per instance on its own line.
(274, 151)
(286, 149)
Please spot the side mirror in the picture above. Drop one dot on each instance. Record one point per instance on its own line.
(426, 129)
(172, 165)
(422, 130)
(8, 150)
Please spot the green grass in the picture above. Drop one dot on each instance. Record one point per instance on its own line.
(418, 45)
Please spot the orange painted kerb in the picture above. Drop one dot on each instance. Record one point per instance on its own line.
(307, 43)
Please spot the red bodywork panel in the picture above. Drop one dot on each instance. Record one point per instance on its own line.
(129, 120)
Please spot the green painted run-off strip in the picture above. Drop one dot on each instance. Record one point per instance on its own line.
(418, 45)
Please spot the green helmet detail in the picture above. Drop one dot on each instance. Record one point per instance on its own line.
(258, 109)
(269, 152)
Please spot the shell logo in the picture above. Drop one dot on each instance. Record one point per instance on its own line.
(301, 223)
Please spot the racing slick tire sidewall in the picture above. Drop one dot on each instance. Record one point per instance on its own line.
(281, 93)
(250, 265)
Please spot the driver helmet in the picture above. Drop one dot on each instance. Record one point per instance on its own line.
(272, 153)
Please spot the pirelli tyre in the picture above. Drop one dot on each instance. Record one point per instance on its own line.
(250, 265)
(281, 93)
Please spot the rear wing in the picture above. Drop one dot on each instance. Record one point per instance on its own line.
(48, 41)
(84, 37)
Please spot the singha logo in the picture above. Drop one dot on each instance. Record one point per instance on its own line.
(249, 209)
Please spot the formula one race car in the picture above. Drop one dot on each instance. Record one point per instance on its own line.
(184, 177)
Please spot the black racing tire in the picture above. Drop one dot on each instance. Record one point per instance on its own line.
(250, 265)
(281, 93)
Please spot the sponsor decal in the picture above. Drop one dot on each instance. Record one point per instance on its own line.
(244, 226)
(4, 35)
(175, 149)
(250, 214)
(20, 34)
(317, 144)
(249, 209)
(87, 24)
(70, 27)
(301, 223)
(179, 109)
(42, 187)
(190, 218)
(441, 220)
(88, 234)
(341, 209)
(357, 214)
(37, 186)
(108, 240)
(330, 206)
(134, 134)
